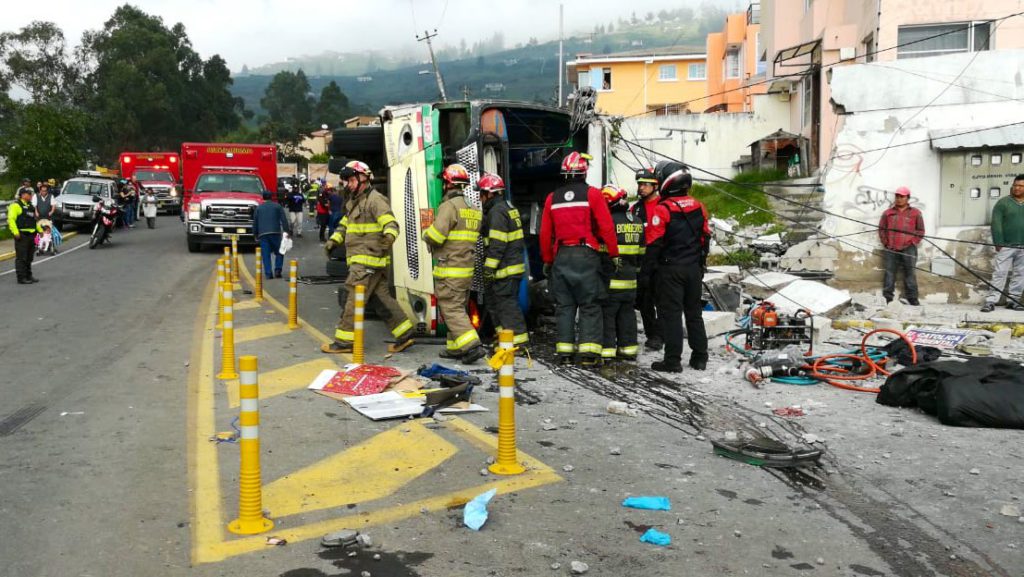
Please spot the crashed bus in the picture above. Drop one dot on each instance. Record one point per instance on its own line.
(521, 142)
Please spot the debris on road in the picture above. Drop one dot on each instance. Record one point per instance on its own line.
(649, 503)
(343, 538)
(794, 411)
(656, 537)
(276, 541)
(621, 408)
(1010, 511)
(579, 567)
(474, 515)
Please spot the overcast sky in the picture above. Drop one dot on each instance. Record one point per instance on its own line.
(256, 32)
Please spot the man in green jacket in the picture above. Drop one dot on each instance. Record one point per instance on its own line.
(1008, 236)
(21, 220)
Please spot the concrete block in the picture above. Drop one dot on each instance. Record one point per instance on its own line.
(822, 330)
(819, 298)
(760, 285)
(889, 324)
(1002, 337)
(943, 266)
(718, 322)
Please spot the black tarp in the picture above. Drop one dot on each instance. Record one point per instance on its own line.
(980, 392)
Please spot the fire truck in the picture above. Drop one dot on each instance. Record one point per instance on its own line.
(159, 172)
(222, 186)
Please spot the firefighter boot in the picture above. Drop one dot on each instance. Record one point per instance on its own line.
(336, 348)
(473, 355)
(699, 361)
(667, 367)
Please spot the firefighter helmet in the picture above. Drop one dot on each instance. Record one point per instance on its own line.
(646, 175)
(613, 194)
(673, 178)
(455, 174)
(575, 163)
(354, 167)
(490, 183)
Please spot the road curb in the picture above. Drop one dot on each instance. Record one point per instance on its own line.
(10, 255)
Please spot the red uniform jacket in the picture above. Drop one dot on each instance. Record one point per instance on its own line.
(576, 214)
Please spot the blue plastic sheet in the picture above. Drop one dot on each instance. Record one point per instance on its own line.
(436, 369)
(652, 503)
(656, 537)
(475, 513)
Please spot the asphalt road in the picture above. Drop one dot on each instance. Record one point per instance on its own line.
(103, 454)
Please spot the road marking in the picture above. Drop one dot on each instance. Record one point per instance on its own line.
(280, 381)
(284, 310)
(246, 305)
(42, 260)
(256, 332)
(322, 484)
(371, 470)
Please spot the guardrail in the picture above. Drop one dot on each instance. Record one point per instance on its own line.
(3, 213)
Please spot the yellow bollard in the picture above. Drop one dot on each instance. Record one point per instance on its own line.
(358, 351)
(293, 297)
(220, 293)
(228, 266)
(227, 338)
(250, 486)
(258, 289)
(507, 462)
(234, 259)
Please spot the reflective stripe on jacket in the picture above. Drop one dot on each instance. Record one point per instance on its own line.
(452, 236)
(503, 236)
(368, 218)
(629, 232)
(21, 217)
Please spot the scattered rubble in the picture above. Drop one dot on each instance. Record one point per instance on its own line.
(1010, 511)
(579, 567)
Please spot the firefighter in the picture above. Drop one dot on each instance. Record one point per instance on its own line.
(619, 310)
(368, 230)
(21, 221)
(452, 240)
(681, 241)
(504, 266)
(574, 223)
(647, 190)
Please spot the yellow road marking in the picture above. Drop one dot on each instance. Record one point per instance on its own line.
(256, 332)
(245, 305)
(284, 310)
(371, 470)
(280, 381)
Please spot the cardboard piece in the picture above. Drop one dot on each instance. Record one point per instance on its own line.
(394, 405)
(403, 382)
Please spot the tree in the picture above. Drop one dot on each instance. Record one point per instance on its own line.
(333, 106)
(35, 59)
(289, 110)
(45, 140)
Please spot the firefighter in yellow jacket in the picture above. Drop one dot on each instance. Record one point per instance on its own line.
(368, 230)
(452, 240)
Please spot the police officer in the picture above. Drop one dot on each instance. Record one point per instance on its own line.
(368, 230)
(619, 310)
(503, 258)
(647, 190)
(574, 224)
(681, 241)
(452, 240)
(21, 221)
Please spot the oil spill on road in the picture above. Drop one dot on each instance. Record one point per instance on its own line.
(638, 528)
(780, 552)
(864, 570)
(398, 564)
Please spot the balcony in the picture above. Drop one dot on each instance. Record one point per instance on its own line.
(754, 13)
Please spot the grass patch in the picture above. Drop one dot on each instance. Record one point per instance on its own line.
(742, 258)
(729, 200)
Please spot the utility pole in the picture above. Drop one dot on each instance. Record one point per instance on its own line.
(433, 60)
(561, 64)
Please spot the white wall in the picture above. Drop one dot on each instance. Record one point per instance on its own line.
(728, 138)
(887, 104)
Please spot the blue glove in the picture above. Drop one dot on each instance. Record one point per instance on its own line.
(652, 503)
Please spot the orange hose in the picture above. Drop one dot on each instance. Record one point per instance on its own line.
(835, 375)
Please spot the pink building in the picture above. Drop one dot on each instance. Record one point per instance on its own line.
(802, 39)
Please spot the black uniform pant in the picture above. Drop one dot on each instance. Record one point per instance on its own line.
(576, 283)
(679, 291)
(645, 301)
(903, 260)
(501, 297)
(24, 251)
(619, 325)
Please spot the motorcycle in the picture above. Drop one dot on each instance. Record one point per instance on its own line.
(149, 206)
(103, 224)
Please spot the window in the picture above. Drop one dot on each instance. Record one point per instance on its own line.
(994, 192)
(939, 39)
(975, 160)
(1015, 158)
(869, 48)
(697, 72)
(806, 100)
(606, 79)
(583, 78)
(975, 193)
(667, 72)
(762, 65)
(997, 159)
(732, 63)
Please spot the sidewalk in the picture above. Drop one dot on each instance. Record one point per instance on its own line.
(7, 245)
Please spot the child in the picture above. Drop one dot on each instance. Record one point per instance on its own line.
(44, 240)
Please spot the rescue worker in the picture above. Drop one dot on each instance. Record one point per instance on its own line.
(452, 240)
(504, 265)
(681, 241)
(647, 190)
(368, 230)
(619, 310)
(574, 224)
(21, 221)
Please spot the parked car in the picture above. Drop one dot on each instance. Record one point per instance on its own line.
(74, 202)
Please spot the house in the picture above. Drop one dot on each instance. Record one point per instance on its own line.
(663, 81)
(735, 69)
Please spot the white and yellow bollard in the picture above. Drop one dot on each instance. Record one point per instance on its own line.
(293, 296)
(227, 338)
(358, 343)
(220, 293)
(234, 260)
(258, 288)
(507, 461)
(228, 266)
(250, 519)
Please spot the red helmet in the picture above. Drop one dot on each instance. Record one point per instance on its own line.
(354, 167)
(575, 163)
(613, 194)
(455, 174)
(490, 183)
